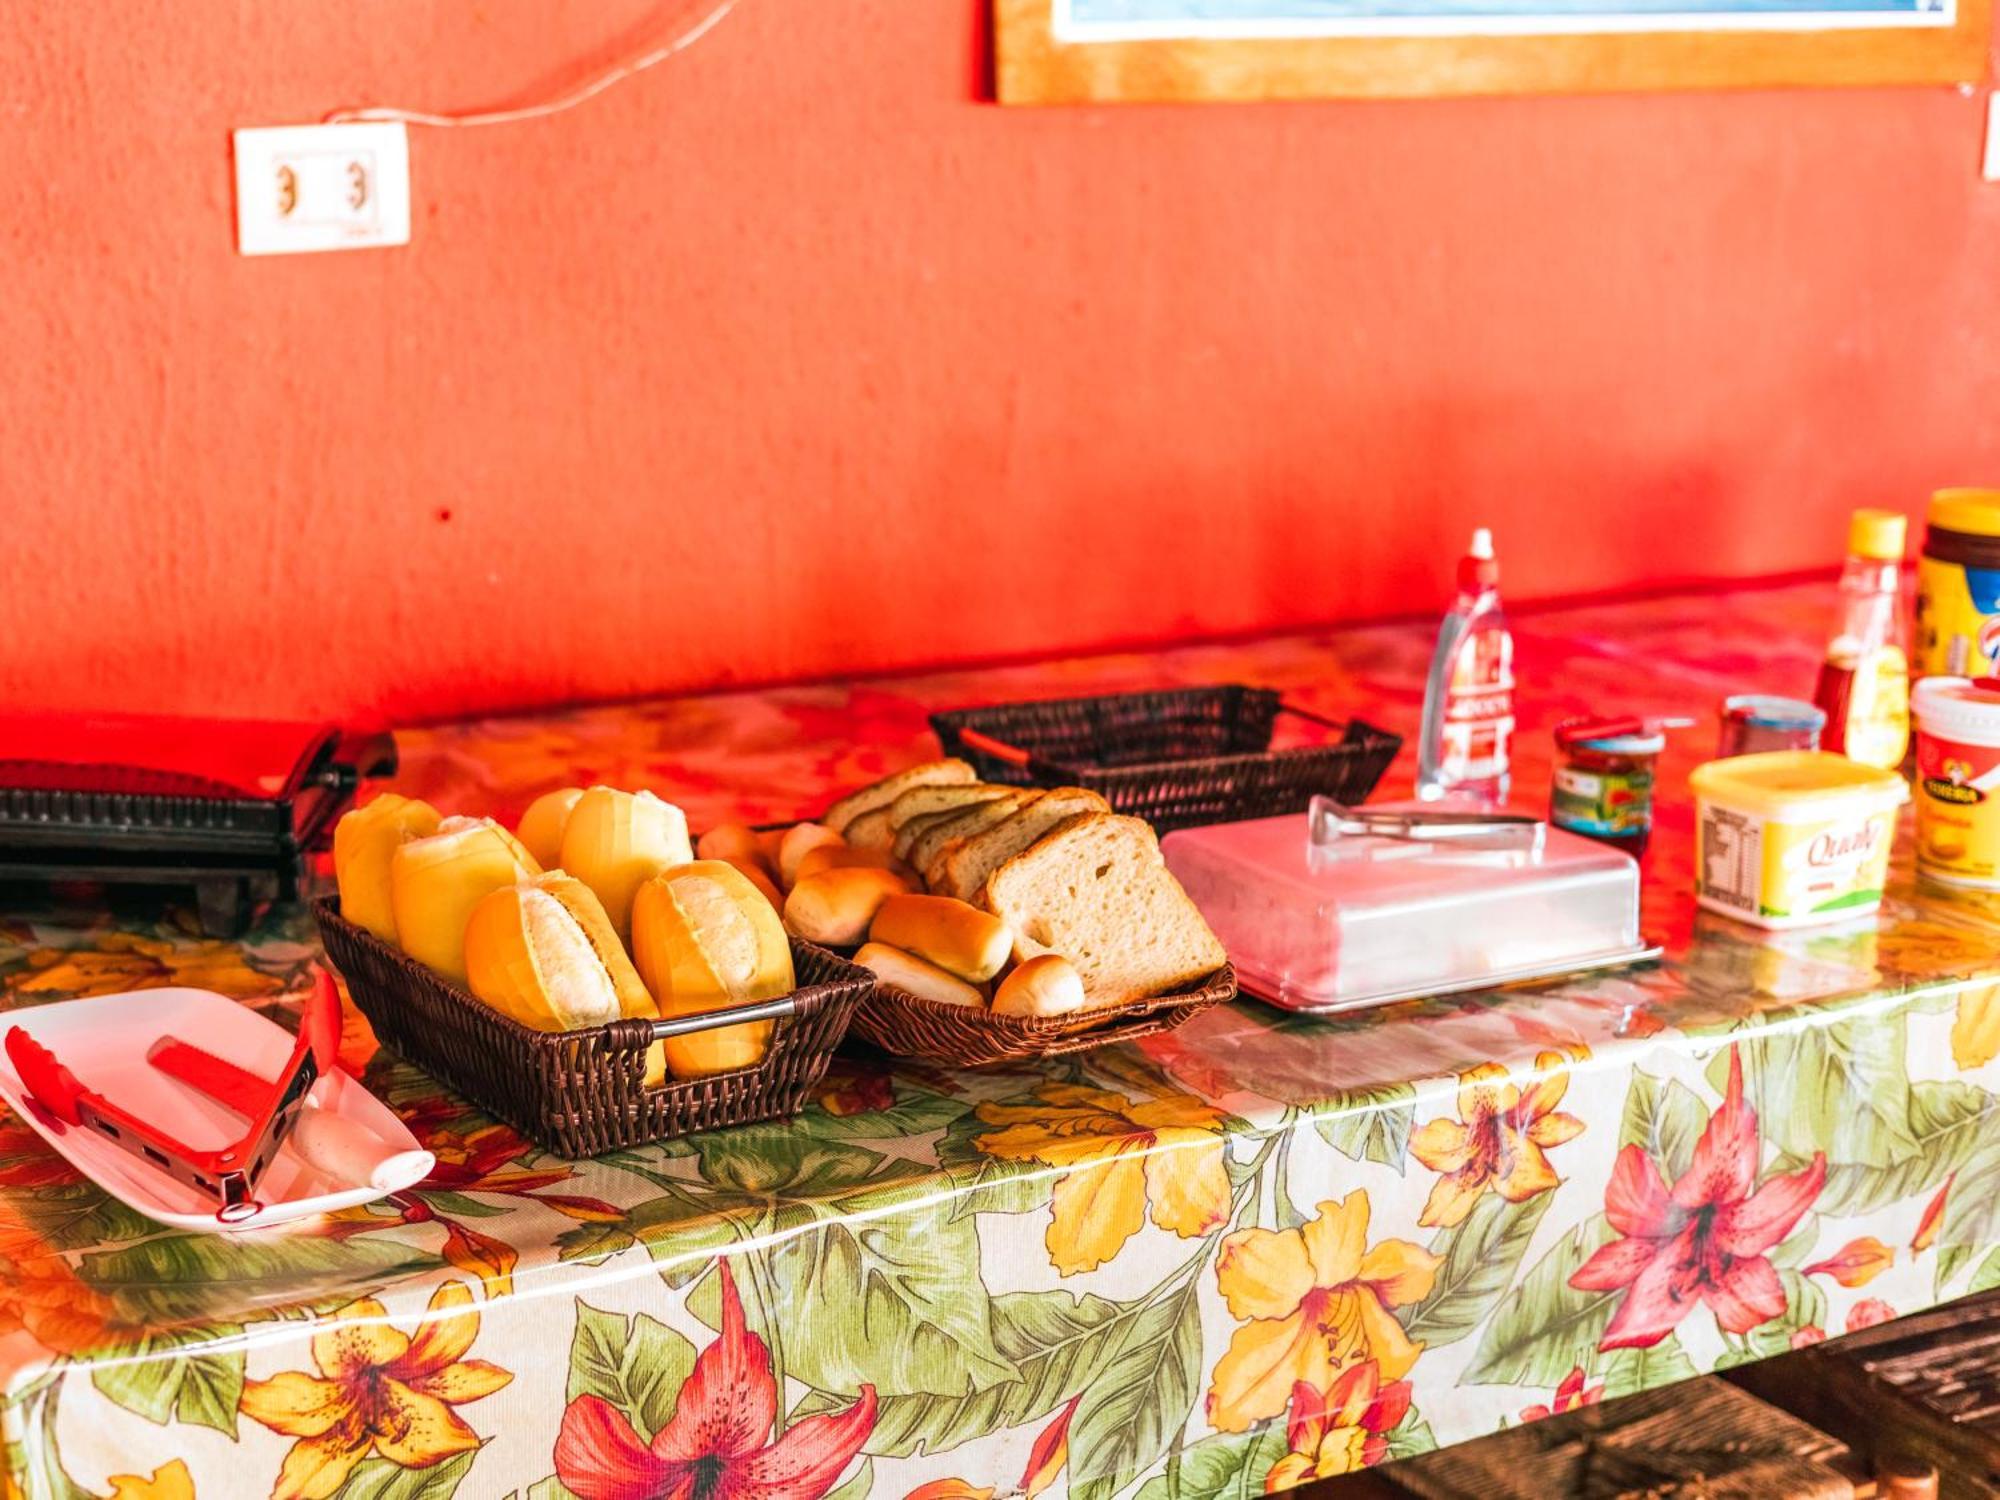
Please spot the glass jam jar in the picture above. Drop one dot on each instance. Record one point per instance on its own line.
(1603, 786)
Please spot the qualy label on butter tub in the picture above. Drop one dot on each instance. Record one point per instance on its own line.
(1782, 874)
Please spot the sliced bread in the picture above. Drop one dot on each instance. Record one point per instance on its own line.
(871, 831)
(1097, 891)
(921, 801)
(967, 865)
(889, 788)
(962, 824)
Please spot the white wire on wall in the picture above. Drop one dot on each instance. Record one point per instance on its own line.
(582, 94)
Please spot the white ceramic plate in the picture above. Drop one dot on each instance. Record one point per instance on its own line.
(104, 1041)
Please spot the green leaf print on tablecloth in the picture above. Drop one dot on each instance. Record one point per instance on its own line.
(1369, 1124)
(378, 1479)
(1842, 1089)
(1223, 1468)
(164, 1384)
(1142, 1398)
(1624, 1371)
(1946, 1121)
(1057, 1341)
(1538, 1333)
(637, 1364)
(189, 1275)
(914, 1286)
(1480, 1257)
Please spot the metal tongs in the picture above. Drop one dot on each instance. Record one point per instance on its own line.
(270, 1107)
(1333, 821)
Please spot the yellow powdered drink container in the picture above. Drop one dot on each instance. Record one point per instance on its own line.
(1793, 837)
(1958, 586)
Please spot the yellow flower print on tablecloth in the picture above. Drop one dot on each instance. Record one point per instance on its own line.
(1975, 1027)
(120, 961)
(377, 1389)
(1498, 1141)
(171, 1481)
(1312, 1301)
(1125, 1155)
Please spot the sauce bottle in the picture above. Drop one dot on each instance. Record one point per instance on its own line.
(1864, 685)
(1463, 747)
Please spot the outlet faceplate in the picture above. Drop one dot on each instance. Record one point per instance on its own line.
(322, 187)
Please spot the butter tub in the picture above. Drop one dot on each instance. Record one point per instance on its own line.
(1794, 837)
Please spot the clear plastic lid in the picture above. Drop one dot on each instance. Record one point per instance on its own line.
(1357, 919)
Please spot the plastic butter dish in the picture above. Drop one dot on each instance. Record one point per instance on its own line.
(1319, 914)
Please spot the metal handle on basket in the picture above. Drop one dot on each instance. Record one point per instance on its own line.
(1014, 755)
(708, 1020)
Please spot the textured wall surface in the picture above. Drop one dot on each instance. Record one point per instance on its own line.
(794, 358)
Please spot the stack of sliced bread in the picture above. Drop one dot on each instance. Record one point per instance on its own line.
(1093, 916)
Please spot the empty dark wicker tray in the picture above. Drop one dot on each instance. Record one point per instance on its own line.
(582, 1093)
(910, 1026)
(1176, 758)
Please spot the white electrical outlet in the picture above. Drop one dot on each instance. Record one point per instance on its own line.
(322, 187)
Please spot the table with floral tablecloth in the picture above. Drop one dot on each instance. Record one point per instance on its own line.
(1261, 1249)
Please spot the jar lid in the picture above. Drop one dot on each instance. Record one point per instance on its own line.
(1958, 707)
(1624, 744)
(1974, 512)
(1611, 736)
(1769, 712)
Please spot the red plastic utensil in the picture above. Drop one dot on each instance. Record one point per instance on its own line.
(229, 1173)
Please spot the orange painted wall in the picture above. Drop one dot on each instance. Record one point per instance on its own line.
(794, 358)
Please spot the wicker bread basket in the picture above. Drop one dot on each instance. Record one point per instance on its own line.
(582, 1093)
(1176, 758)
(910, 1026)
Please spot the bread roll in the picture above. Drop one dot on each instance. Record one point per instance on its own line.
(541, 827)
(737, 843)
(616, 841)
(435, 882)
(847, 857)
(364, 841)
(835, 907)
(756, 875)
(799, 839)
(1044, 986)
(885, 791)
(544, 952)
(924, 980)
(972, 944)
(703, 938)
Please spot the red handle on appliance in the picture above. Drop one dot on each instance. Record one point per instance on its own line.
(320, 1024)
(47, 1081)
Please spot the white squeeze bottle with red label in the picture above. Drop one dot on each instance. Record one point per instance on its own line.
(1469, 698)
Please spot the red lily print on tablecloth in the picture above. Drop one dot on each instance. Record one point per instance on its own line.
(1702, 1240)
(717, 1445)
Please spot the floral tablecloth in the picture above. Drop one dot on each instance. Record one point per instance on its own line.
(1257, 1250)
